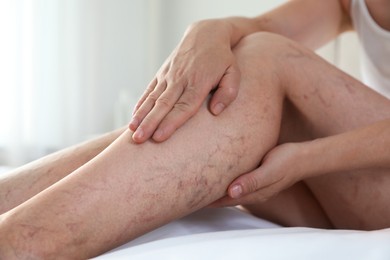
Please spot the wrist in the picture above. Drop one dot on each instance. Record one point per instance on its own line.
(206, 35)
(241, 27)
(225, 30)
(310, 158)
(213, 29)
(321, 156)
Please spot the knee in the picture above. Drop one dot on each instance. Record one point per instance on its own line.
(268, 53)
(258, 58)
(271, 46)
(261, 46)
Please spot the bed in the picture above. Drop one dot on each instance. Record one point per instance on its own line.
(228, 234)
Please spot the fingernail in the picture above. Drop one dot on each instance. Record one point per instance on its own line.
(134, 124)
(138, 134)
(218, 108)
(236, 191)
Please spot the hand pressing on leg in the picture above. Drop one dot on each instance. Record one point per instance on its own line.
(203, 61)
(282, 167)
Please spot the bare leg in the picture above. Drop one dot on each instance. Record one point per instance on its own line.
(38, 175)
(130, 189)
(322, 101)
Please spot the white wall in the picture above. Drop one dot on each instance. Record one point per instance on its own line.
(113, 49)
(172, 17)
(108, 60)
(68, 63)
(82, 64)
(178, 14)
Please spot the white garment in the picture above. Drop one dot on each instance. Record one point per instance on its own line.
(375, 42)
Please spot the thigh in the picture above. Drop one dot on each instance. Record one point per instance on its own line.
(132, 188)
(325, 102)
(295, 206)
(350, 200)
(321, 100)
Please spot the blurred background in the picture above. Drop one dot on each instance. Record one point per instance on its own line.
(73, 69)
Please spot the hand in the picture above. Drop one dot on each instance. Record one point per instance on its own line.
(280, 169)
(202, 61)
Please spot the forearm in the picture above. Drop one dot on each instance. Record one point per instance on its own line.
(40, 174)
(363, 148)
(311, 23)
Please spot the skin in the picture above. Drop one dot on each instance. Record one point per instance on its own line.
(204, 58)
(59, 217)
(143, 184)
(323, 21)
(76, 217)
(36, 176)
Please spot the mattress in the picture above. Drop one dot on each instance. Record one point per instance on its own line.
(231, 234)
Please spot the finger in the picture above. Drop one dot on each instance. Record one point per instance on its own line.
(227, 90)
(154, 89)
(146, 93)
(185, 108)
(147, 105)
(225, 201)
(255, 197)
(151, 87)
(247, 183)
(163, 105)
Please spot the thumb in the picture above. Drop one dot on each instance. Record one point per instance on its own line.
(246, 184)
(227, 90)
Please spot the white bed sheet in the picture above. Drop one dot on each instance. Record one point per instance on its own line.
(228, 234)
(231, 234)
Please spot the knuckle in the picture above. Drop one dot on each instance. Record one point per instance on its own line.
(183, 106)
(192, 95)
(163, 102)
(148, 124)
(153, 96)
(194, 78)
(152, 84)
(231, 92)
(252, 183)
(189, 102)
(150, 88)
(176, 83)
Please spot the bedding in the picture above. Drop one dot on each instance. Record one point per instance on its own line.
(231, 234)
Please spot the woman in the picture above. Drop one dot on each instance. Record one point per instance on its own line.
(287, 93)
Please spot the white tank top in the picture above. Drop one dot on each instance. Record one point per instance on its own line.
(375, 42)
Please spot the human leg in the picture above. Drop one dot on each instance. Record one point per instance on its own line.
(36, 176)
(322, 101)
(130, 189)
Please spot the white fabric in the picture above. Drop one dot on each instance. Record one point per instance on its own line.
(206, 235)
(286, 243)
(204, 221)
(375, 42)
